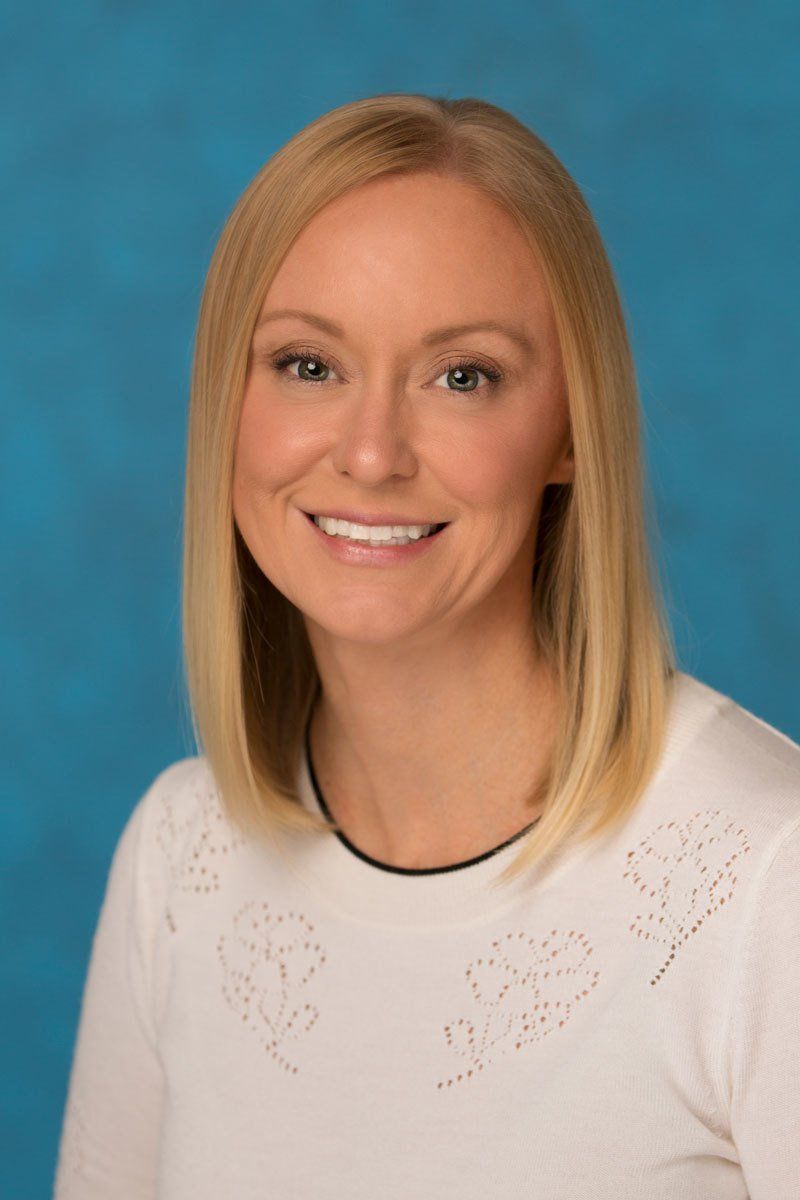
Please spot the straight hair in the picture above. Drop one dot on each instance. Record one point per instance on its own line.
(596, 603)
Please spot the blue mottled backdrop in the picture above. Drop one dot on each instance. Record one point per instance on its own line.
(128, 132)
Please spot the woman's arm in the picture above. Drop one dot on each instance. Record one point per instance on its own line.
(110, 1131)
(764, 1034)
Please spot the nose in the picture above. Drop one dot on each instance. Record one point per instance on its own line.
(375, 434)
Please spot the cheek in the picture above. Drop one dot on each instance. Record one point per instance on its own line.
(495, 465)
(269, 453)
(268, 461)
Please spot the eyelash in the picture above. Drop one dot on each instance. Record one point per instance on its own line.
(304, 354)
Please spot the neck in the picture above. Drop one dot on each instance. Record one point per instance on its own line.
(429, 759)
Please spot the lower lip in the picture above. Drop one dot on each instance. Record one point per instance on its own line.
(374, 556)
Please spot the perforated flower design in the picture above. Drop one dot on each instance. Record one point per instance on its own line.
(522, 990)
(267, 962)
(684, 872)
(196, 840)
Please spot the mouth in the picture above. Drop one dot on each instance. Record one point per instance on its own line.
(431, 530)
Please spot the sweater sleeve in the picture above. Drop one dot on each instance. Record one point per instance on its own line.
(764, 1035)
(110, 1129)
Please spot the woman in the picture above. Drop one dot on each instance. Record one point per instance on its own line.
(471, 892)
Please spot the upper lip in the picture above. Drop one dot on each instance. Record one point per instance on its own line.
(364, 518)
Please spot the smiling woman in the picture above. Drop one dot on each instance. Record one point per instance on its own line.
(464, 863)
(412, 425)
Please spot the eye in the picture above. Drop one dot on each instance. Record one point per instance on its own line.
(315, 368)
(464, 370)
(314, 365)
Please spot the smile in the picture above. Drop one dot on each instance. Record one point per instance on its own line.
(375, 535)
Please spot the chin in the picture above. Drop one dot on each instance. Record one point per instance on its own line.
(377, 623)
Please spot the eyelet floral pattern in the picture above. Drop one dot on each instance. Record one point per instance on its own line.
(685, 872)
(195, 843)
(525, 988)
(267, 962)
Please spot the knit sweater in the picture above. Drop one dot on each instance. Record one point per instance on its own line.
(306, 1023)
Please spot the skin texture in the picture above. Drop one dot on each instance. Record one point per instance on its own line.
(436, 712)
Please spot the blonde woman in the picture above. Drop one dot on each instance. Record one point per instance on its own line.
(470, 891)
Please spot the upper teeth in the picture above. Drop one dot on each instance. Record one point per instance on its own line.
(375, 533)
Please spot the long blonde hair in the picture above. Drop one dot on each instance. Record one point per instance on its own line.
(598, 610)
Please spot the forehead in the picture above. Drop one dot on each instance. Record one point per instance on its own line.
(415, 245)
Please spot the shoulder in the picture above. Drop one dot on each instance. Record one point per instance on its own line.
(182, 787)
(184, 832)
(175, 795)
(762, 736)
(720, 756)
(720, 815)
(725, 727)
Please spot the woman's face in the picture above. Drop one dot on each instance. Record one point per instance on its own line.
(385, 416)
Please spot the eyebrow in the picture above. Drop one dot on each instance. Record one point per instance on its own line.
(430, 339)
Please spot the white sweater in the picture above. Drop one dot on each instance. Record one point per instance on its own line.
(313, 1025)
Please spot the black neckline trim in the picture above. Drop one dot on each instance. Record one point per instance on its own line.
(375, 862)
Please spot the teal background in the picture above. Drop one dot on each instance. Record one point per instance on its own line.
(127, 133)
